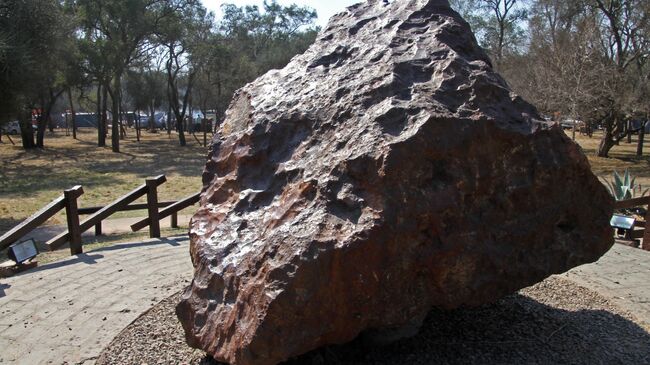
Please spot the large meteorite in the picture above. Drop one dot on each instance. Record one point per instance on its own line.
(386, 171)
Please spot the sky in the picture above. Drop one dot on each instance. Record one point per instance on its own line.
(324, 8)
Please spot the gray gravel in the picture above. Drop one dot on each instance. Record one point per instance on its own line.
(554, 322)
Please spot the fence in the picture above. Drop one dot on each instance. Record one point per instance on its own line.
(75, 227)
(643, 232)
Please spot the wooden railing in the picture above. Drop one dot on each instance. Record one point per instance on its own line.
(172, 210)
(40, 217)
(638, 233)
(75, 228)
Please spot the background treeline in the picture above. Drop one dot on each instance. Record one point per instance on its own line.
(578, 59)
(581, 59)
(112, 56)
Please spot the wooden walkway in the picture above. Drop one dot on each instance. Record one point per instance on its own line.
(623, 275)
(66, 312)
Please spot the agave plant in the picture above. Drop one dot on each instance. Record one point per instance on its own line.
(623, 188)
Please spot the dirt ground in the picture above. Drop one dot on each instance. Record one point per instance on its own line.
(31, 179)
(554, 322)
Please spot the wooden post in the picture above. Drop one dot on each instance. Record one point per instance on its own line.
(98, 229)
(174, 219)
(152, 206)
(205, 131)
(168, 210)
(72, 216)
(646, 233)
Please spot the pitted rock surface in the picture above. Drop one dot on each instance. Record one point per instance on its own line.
(386, 171)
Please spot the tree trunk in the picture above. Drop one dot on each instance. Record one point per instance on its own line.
(41, 123)
(44, 119)
(574, 130)
(115, 130)
(26, 131)
(639, 145)
(190, 121)
(181, 134)
(152, 123)
(204, 124)
(99, 114)
(72, 112)
(122, 130)
(606, 144)
(101, 118)
(169, 114)
(121, 115)
(629, 131)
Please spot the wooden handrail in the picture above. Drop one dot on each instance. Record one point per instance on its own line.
(69, 202)
(174, 208)
(631, 203)
(32, 222)
(104, 213)
(152, 208)
(139, 206)
(638, 233)
(72, 216)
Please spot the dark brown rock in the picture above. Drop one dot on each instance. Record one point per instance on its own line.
(386, 171)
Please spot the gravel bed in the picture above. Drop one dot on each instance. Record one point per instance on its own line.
(554, 322)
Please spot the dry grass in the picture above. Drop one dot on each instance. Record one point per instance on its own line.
(31, 179)
(101, 241)
(621, 157)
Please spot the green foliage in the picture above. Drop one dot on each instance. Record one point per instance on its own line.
(34, 37)
(624, 187)
(498, 24)
(145, 54)
(253, 41)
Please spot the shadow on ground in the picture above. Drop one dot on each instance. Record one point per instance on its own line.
(8, 223)
(554, 322)
(64, 163)
(95, 253)
(517, 330)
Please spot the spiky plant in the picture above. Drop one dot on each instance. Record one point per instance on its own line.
(623, 188)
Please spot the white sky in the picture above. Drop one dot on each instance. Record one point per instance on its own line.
(324, 8)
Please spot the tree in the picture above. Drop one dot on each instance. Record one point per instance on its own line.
(496, 23)
(183, 37)
(582, 59)
(36, 36)
(146, 88)
(252, 41)
(561, 72)
(122, 32)
(624, 42)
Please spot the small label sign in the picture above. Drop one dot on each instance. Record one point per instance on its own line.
(23, 251)
(621, 221)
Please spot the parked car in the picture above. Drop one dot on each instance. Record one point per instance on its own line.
(198, 125)
(12, 128)
(569, 123)
(636, 124)
(86, 120)
(159, 120)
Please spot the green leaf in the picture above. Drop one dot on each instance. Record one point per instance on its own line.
(617, 179)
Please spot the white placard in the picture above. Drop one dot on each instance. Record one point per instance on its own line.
(621, 221)
(24, 251)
